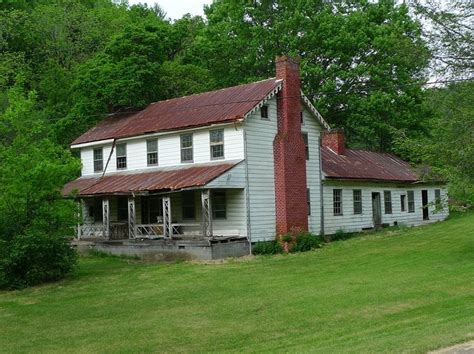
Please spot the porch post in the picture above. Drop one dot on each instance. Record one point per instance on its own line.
(132, 218)
(105, 218)
(79, 219)
(206, 213)
(167, 226)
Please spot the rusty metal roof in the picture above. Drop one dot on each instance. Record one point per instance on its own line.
(202, 109)
(366, 165)
(164, 179)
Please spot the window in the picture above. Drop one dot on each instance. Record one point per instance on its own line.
(387, 198)
(121, 156)
(264, 112)
(95, 211)
(219, 208)
(301, 118)
(306, 146)
(152, 152)
(98, 160)
(411, 201)
(308, 200)
(437, 198)
(337, 201)
(217, 144)
(189, 210)
(187, 148)
(152, 210)
(403, 198)
(357, 198)
(122, 209)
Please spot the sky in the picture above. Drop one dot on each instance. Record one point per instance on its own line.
(177, 8)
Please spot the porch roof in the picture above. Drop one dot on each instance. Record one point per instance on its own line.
(160, 179)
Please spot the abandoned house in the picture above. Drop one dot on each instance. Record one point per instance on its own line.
(238, 165)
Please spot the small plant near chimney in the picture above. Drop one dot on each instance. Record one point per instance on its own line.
(267, 247)
(286, 239)
(306, 241)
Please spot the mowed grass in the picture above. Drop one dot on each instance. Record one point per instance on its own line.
(395, 291)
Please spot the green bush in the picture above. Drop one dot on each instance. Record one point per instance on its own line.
(32, 259)
(341, 235)
(267, 247)
(305, 242)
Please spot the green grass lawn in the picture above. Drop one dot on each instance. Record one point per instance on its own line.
(406, 290)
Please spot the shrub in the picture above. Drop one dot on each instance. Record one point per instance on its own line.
(35, 258)
(305, 242)
(267, 247)
(340, 235)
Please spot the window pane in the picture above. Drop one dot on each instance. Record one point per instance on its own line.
(411, 201)
(219, 209)
(337, 201)
(98, 160)
(264, 112)
(152, 145)
(387, 195)
(186, 140)
(187, 155)
(217, 151)
(121, 150)
(97, 154)
(217, 136)
(357, 197)
(305, 140)
(402, 202)
(98, 166)
(152, 158)
(437, 198)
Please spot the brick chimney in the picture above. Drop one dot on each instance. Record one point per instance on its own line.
(289, 152)
(334, 139)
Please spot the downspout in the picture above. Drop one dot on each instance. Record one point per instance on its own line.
(321, 188)
(247, 192)
(110, 156)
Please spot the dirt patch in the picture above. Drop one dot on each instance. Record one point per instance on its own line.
(464, 348)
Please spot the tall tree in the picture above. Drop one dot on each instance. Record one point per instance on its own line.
(363, 63)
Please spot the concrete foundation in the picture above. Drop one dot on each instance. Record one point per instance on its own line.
(169, 250)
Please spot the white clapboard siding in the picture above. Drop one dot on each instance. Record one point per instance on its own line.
(234, 178)
(260, 134)
(350, 222)
(313, 180)
(169, 150)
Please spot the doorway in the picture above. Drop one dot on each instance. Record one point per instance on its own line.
(376, 209)
(424, 202)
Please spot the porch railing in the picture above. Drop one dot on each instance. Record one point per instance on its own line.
(90, 231)
(156, 230)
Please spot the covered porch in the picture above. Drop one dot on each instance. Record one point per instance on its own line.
(188, 214)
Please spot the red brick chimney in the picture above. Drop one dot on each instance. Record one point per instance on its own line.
(289, 152)
(334, 139)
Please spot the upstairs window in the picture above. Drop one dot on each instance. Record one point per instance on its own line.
(219, 205)
(411, 201)
(152, 152)
(306, 145)
(189, 210)
(121, 156)
(98, 160)
(217, 144)
(264, 112)
(387, 198)
(357, 199)
(403, 198)
(337, 201)
(187, 148)
(437, 198)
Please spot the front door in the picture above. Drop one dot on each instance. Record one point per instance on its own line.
(424, 202)
(376, 209)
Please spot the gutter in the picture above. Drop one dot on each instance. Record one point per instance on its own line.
(321, 188)
(247, 192)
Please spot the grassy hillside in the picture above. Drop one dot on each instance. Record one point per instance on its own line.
(407, 290)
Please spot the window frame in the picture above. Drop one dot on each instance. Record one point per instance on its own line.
(121, 160)
(95, 160)
(387, 202)
(337, 204)
(411, 201)
(437, 193)
(223, 204)
(151, 153)
(186, 148)
(264, 112)
(305, 136)
(148, 212)
(357, 210)
(216, 143)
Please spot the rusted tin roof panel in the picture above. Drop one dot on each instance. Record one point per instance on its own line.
(366, 165)
(165, 179)
(213, 107)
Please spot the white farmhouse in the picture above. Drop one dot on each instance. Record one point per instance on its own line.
(243, 163)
